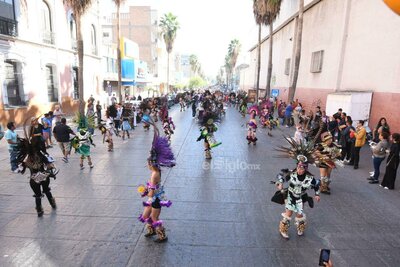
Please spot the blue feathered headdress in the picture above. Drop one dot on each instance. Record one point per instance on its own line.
(161, 154)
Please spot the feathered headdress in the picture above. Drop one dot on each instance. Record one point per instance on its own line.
(161, 154)
(209, 118)
(305, 153)
(29, 150)
(299, 151)
(255, 109)
(85, 122)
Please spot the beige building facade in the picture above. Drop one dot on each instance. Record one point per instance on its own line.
(348, 47)
(38, 58)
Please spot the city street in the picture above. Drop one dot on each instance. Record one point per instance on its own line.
(221, 213)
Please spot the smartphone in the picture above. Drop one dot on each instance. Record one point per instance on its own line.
(324, 256)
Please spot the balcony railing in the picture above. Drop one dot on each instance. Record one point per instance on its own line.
(48, 37)
(8, 27)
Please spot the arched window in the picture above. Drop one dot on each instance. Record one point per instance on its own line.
(45, 17)
(13, 83)
(72, 30)
(93, 39)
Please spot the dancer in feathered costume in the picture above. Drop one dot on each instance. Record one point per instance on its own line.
(331, 152)
(82, 141)
(252, 125)
(168, 124)
(169, 127)
(208, 127)
(146, 110)
(264, 117)
(107, 129)
(299, 181)
(161, 155)
(243, 107)
(31, 155)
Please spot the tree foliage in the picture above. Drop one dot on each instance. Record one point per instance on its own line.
(196, 82)
(169, 26)
(78, 7)
(194, 64)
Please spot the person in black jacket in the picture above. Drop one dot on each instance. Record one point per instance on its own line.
(392, 163)
(346, 142)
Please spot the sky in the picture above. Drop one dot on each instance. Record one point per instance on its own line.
(207, 27)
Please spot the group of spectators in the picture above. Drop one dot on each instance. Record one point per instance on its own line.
(349, 135)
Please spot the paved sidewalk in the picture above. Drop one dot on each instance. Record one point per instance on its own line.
(221, 213)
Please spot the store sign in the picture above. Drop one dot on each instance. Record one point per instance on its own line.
(129, 49)
(275, 92)
(141, 71)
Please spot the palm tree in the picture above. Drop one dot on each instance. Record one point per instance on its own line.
(169, 26)
(194, 64)
(220, 76)
(292, 88)
(79, 7)
(260, 15)
(233, 52)
(228, 69)
(118, 4)
(273, 9)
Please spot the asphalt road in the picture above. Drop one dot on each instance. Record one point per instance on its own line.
(221, 213)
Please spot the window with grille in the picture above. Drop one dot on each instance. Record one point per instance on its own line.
(316, 61)
(13, 83)
(52, 90)
(8, 23)
(287, 66)
(75, 80)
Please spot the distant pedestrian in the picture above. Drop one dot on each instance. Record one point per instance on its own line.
(360, 135)
(57, 115)
(91, 99)
(288, 115)
(378, 155)
(12, 140)
(61, 133)
(90, 115)
(194, 108)
(392, 163)
(113, 100)
(346, 142)
(98, 112)
(36, 134)
(125, 117)
(117, 118)
(46, 122)
(382, 126)
(109, 132)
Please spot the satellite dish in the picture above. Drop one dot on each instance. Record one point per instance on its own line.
(393, 5)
